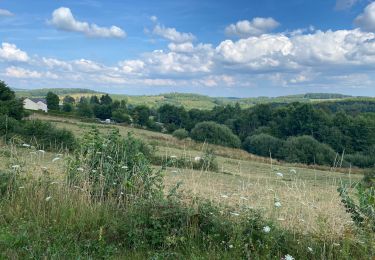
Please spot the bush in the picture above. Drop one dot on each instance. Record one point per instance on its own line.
(45, 135)
(263, 145)
(114, 166)
(180, 134)
(215, 133)
(361, 160)
(305, 149)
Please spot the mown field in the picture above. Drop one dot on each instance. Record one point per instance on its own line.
(308, 195)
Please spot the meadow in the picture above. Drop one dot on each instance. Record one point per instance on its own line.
(301, 213)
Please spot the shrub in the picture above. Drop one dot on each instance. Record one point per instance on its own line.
(114, 166)
(215, 133)
(263, 145)
(305, 149)
(180, 134)
(361, 160)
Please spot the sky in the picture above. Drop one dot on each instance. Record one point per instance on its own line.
(236, 48)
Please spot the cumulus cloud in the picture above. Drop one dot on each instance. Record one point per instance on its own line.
(63, 19)
(18, 72)
(257, 26)
(172, 34)
(10, 52)
(4, 12)
(366, 20)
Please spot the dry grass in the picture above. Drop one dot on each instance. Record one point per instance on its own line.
(309, 198)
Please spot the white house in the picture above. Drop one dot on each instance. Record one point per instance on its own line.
(35, 104)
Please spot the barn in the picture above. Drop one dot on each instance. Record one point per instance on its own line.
(35, 104)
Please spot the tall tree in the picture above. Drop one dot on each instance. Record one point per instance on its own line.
(9, 105)
(52, 101)
(105, 100)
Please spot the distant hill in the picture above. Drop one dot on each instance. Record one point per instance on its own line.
(42, 92)
(190, 100)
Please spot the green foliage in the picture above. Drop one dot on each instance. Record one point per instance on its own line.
(181, 134)
(67, 107)
(361, 209)
(102, 111)
(114, 166)
(121, 116)
(141, 115)
(69, 99)
(215, 133)
(52, 101)
(84, 109)
(105, 100)
(9, 105)
(307, 150)
(263, 145)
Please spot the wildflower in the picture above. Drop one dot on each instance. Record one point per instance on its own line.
(121, 193)
(224, 196)
(230, 246)
(279, 174)
(80, 169)
(173, 157)
(16, 166)
(55, 159)
(93, 171)
(310, 249)
(26, 145)
(197, 159)
(277, 204)
(41, 151)
(48, 198)
(266, 229)
(234, 214)
(44, 168)
(293, 171)
(124, 167)
(288, 257)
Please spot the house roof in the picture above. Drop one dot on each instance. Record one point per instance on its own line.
(36, 100)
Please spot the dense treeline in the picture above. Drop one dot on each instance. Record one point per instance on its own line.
(330, 133)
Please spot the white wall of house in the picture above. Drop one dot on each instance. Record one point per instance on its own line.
(31, 105)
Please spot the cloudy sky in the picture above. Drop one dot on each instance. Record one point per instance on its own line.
(219, 48)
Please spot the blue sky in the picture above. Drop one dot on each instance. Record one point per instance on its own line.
(218, 48)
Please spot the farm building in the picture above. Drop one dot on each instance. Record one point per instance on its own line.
(35, 104)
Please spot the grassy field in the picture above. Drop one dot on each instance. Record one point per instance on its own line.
(309, 198)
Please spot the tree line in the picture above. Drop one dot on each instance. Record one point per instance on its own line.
(322, 133)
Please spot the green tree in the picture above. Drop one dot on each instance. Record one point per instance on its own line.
(141, 115)
(84, 109)
(215, 133)
(105, 100)
(69, 99)
(94, 100)
(263, 145)
(52, 101)
(9, 105)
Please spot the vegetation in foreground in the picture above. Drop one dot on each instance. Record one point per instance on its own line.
(110, 202)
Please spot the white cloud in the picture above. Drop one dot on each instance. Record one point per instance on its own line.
(4, 12)
(56, 64)
(132, 66)
(366, 20)
(154, 18)
(10, 52)
(255, 27)
(63, 19)
(172, 34)
(18, 72)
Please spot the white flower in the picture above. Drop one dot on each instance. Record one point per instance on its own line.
(93, 171)
(266, 229)
(80, 169)
(230, 246)
(293, 171)
(41, 151)
(173, 157)
(277, 204)
(44, 168)
(121, 193)
(224, 196)
(16, 166)
(288, 257)
(309, 249)
(124, 167)
(197, 158)
(55, 159)
(26, 145)
(48, 198)
(279, 174)
(235, 214)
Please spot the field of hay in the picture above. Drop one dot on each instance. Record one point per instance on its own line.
(308, 195)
